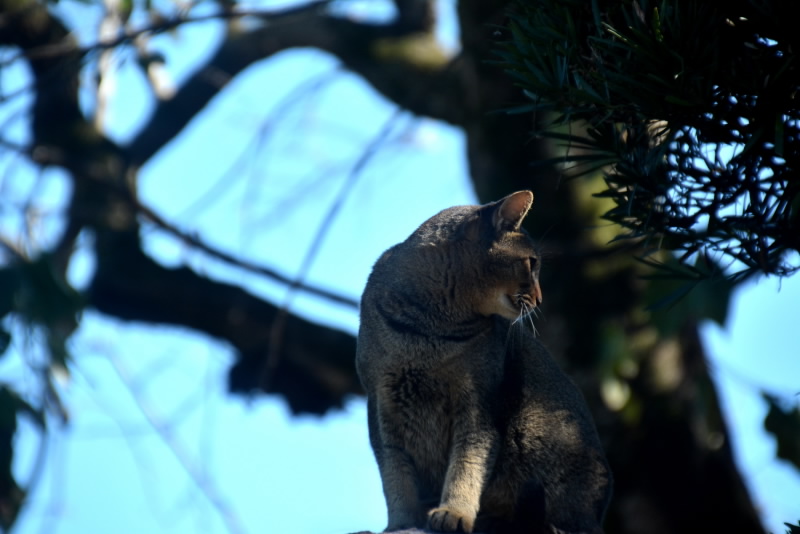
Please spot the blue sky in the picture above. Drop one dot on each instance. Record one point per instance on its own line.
(155, 444)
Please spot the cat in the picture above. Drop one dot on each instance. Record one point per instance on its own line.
(474, 426)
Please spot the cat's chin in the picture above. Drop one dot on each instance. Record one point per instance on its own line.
(505, 306)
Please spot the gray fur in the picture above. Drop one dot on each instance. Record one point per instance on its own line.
(473, 424)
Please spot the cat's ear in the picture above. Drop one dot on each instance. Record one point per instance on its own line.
(512, 210)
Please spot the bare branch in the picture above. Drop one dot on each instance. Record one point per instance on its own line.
(30, 26)
(415, 14)
(361, 47)
(333, 211)
(58, 49)
(196, 242)
(190, 466)
(316, 364)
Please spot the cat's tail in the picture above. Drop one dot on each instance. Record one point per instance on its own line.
(529, 515)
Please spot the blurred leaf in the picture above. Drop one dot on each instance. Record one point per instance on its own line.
(5, 341)
(11, 495)
(696, 292)
(46, 298)
(39, 296)
(793, 529)
(784, 425)
(628, 66)
(9, 282)
(124, 9)
(8, 412)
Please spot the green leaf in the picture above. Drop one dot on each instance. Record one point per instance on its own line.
(682, 291)
(586, 88)
(657, 26)
(678, 68)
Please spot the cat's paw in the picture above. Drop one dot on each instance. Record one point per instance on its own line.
(446, 519)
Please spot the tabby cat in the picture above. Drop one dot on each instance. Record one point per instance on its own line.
(473, 425)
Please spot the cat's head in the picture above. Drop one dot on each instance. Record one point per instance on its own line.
(492, 264)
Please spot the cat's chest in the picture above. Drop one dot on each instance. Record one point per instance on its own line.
(421, 411)
(428, 403)
(412, 393)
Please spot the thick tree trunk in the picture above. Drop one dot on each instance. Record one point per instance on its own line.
(668, 444)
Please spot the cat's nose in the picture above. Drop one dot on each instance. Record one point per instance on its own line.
(537, 293)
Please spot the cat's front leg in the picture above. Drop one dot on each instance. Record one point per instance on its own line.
(397, 469)
(467, 473)
(400, 489)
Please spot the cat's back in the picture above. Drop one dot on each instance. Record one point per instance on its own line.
(554, 437)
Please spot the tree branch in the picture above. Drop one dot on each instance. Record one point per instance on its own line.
(295, 283)
(60, 134)
(314, 364)
(362, 48)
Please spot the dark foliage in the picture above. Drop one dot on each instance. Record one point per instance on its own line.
(688, 107)
(784, 423)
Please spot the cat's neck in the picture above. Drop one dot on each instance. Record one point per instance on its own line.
(415, 311)
(427, 301)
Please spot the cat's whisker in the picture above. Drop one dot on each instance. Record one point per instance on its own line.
(526, 313)
(516, 332)
(517, 326)
(530, 315)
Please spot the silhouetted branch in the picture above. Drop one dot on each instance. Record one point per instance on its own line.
(412, 85)
(266, 129)
(347, 187)
(316, 368)
(295, 282)
(56, 49)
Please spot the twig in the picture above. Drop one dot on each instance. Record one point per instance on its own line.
(206, 487)
(196, 242)
(368, 153)
(282, 106)
(238, 262)
(277, 327)
(68, 47)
